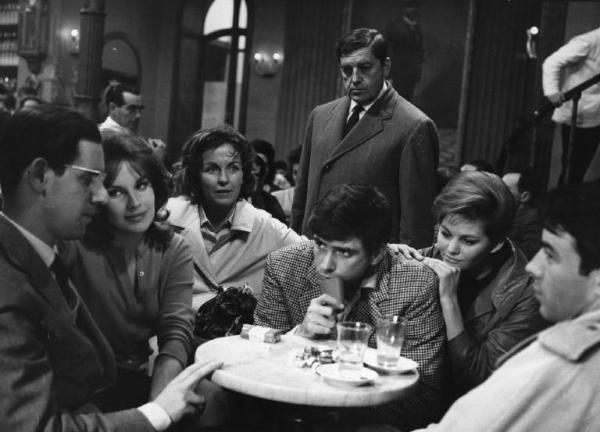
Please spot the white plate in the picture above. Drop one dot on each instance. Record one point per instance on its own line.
(332, 375)
(404, 364)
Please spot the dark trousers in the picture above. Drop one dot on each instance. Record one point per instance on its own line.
(131, 390)
(585, 144)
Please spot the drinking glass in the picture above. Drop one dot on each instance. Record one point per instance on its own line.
(352, 338)
(390, 337)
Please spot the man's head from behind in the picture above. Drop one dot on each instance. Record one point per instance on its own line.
(364, 64)
(51, 166)
(567, 267)
(124, 105)
(522, 184)
(351, 225)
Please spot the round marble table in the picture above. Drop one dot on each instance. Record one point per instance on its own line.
(266, 371)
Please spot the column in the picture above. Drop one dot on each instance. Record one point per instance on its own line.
(87, 90)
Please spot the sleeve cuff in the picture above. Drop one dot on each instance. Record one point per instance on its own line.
(156, 415)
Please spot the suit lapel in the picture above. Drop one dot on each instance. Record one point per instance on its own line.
(369, 125)
(23, 256)
(334, 125)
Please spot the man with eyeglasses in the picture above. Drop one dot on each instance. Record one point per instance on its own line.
(53, 357)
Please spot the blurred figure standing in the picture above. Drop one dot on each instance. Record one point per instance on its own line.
(572, 64)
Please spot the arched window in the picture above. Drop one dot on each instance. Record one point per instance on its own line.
(224, 70)
(211, 74)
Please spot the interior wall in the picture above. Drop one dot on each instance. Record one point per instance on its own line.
(148, 24)
(150, 27)
(263, 92)
(310, 74)
(501, 76)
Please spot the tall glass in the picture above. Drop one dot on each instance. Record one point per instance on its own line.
(352, 339)
(390, 338)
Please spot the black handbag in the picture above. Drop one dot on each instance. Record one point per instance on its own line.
(226, 313)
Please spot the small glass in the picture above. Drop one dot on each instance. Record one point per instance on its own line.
(352, 339)
(390, 338)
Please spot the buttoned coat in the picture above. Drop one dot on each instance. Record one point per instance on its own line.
(256, 234)
(393, 147)
(404, 287)
(50, 365)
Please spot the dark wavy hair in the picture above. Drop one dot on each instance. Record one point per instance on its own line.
(574, 210)
(120, 149)
(363, 38)
(210, 139)
(478, 195)
(350, 211)
(45, 131)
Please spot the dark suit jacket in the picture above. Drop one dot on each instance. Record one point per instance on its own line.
(49, 365)
(404, 287)
(394, 147)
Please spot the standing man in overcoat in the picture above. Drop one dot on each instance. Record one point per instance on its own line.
(373, 136)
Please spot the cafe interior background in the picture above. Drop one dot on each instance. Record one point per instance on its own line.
(262, 65)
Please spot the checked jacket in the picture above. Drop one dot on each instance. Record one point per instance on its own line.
(404, 287)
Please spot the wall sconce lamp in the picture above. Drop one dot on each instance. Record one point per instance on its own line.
(531, 44)
(74, 42)
(267, 66)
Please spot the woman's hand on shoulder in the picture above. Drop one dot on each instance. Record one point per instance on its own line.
(406, 251)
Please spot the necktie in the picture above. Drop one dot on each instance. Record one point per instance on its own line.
(354, 117)
(60, 273)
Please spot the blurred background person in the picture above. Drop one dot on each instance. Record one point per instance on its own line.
(259, 197)
(405, 42)
(572, 64)
(527, 227)
(286, 196)
(477, 165)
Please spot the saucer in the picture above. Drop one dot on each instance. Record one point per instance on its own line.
(404, 364)
(359, 377)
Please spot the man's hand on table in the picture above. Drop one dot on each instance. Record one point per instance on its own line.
(178, 397)
(320, 317)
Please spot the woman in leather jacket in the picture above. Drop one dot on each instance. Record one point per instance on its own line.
(485, 293)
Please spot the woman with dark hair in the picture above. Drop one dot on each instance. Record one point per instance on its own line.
(230, 238)
(135, 275)
(485, 293)
(260, 198)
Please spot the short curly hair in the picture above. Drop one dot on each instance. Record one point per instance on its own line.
(478, 195)
(210, 139)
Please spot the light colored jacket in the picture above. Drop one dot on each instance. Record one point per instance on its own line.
(572, 64)
(550, 385)
(242, 259)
